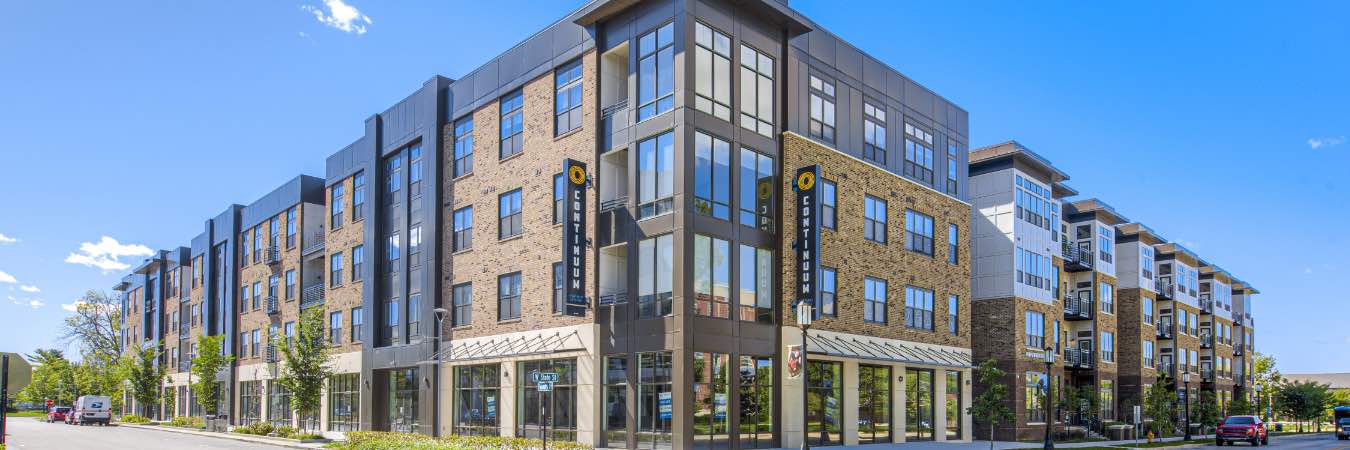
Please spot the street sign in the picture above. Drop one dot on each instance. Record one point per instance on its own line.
(545, 386)
(544, 377)
(19, 373)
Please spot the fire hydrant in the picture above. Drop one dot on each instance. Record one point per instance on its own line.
(1150, 437)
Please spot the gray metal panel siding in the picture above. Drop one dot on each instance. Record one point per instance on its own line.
(280, 199)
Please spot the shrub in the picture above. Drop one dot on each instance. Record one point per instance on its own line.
(132, 418)
(372, 440)
(286, 432)
(188, 422)
(307, 436)
(256, 428)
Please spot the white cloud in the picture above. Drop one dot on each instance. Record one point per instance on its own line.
(72, 306)
(34, 303)
(7, 278)
(1316, 143)
(303, 34)
(106, 254)
(29, 288)
(7, 240)
(338, 14)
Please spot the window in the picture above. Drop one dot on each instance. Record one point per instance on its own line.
(1108, 347)
(919, 393)
(756, 91)
(245, 247)
(390, 330)
(250, 402)
(1036, 386)
(874, 219)
(244, 344)
(918, 308)
(335, 205)
(824, 400)
(656, 175)
(656, 72)
(953, 239)
(655, 373)
(462, 295)
(874, 300)
(756, 202)
(1148, 354)
(874, 132)
(290, 227)
(918, 232)
(710, 392)
(344, 402)
(952, 161)
(463, 147)
(257, 341)
(756, 280)
(712, 277)
(874, 404)
(335, 327)
(1033, 268)
(509, 220)
(756, 402)
(415, 169)
(512, 124)
(335, 270)
(358, 261)
(273, 283)
(559, 191)
(1107, 297)
(358, 195)
(954, 404)
(953, 314)
(616, 400)
(822, 109)
(712, 71)
(918, 154)
(1107, 400)
(1104, 244)
(827, 292)
(463, 229)
(414, 242)
(829, 203)
(257, 245)
(414, 316)
(278, 405)
(1148, 310)
(508, 296)
(712, 176)
(1146, 262)
(1032, 203)
(655, 268)
(559, 298)
(257, 294)
(563, 400)
(357, 321)
(393, 177)
(290, 284)
(567, 98)
(477, 391)
(1035, 326)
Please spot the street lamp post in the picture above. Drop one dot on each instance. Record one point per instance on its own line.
(1049, 398)
(440, 317)
(1186, 381)
(1259, 411)
(804, 322)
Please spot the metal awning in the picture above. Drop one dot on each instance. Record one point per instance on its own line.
(514, 345)
(880, 349)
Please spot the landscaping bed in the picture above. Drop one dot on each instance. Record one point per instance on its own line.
(287, 433)
(377, 440)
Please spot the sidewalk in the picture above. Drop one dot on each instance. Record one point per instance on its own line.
(230, 436)
(1009, 445)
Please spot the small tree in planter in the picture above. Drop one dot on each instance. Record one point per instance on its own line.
(145, 378)
(1205, 411)
(209, 360)
(991, 406)
(305, 356)
(1159, 406)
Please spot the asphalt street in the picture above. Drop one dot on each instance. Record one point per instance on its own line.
(30, 433)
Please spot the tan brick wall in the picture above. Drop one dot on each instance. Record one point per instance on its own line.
(999, 333)
(352, 233)
(854, 258)
(1106, 322)
(534, 252)
(1133, 333)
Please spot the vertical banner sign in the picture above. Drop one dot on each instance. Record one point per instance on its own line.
(808, 234)
(574, 238)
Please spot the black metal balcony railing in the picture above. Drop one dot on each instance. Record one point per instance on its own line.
(1206, 374)
(1165, 367)
(271, 354)
(614, 299)
(1165, 330)
(1206, 341)
(314, 242)
(272, 255)
(1078, 358)
(1078, 309)
(614, 203)
(1206, 304)
(273, 307)
(311, 295)
(1077, 257)
(1165, 288)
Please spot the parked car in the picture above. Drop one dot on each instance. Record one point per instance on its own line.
(1241, 428)
(1342, 414)
(91, 409)
(58, 414)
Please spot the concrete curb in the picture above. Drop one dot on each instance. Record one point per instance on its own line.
(230, 436)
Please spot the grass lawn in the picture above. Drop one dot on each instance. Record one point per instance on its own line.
(32, 413)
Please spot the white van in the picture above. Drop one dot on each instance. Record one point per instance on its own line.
(91, 409)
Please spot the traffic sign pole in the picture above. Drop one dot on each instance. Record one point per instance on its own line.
(4, 396)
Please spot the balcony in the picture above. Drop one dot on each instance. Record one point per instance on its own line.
(312, 295)
(1206, 341)
(1165, 330)
(1078, 358)
(1080, 308)
(617, 298)
(273, 307)
(273, 256)
(1165, 367)
(615, 117)
(314, 243)
(1166, 290)
(1237, 350)
(1206, 304)
(1207, 374)
(616, 223)
(271, 354)
(1078, 258)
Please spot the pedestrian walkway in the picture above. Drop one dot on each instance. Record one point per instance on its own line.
(1009, 445)
(231, 436)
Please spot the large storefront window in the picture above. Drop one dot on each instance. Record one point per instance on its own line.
(344, 402)
(250, 402)
(616, 401)
(403, 400)
(756, 428)
(874, 404)
(954, 409)
(824, 397)
(278, 405)
(654, 420)
(710, 401)
(918, 405)
(561, 417)
(477, 390)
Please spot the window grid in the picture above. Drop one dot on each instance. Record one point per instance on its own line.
(874, 132)
(918, 232)
(512, 124)
(712, 71)
(874, 300)
(829, 204)
(918, 308)
(918, 154)
(462, 295)
(712, 277)
(567, 98)
(508, 296)
(821, 125)
(656, 175)
(874, 219)
(509, 221)
(463, 229)
(756, 91)
(712, 176)
(656, 72)
(463, 147)
(756, 203)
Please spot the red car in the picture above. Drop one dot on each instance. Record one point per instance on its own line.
(58, 414)
(1241, 428)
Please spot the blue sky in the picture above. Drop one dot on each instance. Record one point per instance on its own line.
(1221, 126)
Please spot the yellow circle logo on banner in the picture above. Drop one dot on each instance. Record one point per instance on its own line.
(806, 180)
(577, 175)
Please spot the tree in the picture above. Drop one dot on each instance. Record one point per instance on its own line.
(95, 326)
(53, 378)
(1205, 411)
(1160, 405)
(145, 379)
(991, 406)
(209, 360)
(1302, 401)
(1240, 406)
(305, 356)
(1267, 377)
